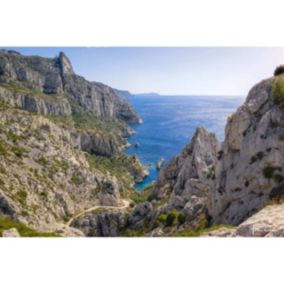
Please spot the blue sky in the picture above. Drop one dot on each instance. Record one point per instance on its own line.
(171, 71)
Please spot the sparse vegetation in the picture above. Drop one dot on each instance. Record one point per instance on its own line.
(13, 136)
(173, 217)
(16, 87)
(211, 172)
(19, 151)
(42, 161)
(7, 223)
(257, 157)
(278, 90)
(76, 180)
(133, 233)
(21, 196)
(268, 172)
(141, 196)
(121, 166)
(3, 149)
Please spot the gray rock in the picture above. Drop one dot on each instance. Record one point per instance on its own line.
(11, 233)
(252, 145)
(107, 223)
(55, 77)
(139, 215)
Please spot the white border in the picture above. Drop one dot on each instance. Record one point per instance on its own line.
(141, 23)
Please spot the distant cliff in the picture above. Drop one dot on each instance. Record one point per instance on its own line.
(48, 86)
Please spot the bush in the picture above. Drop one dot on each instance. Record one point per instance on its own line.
(3, 149)
(279, 70)
(181, 218)
(162, 218)
(278, 90)
(18, 151)
(76, 180)
(171, 217)
(269, 171)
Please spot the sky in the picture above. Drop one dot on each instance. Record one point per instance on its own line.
(171, 70)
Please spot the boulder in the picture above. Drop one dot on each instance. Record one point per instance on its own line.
(11, 233)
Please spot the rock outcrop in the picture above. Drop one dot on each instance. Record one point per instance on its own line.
(102, 223)
(250, 168)
(11, 233)
(185, 182)
(43, 80)
(268, 222)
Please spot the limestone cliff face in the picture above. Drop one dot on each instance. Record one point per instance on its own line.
(250, 169)
(52, 78)
(50, 87)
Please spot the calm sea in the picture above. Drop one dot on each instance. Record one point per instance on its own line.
(169, 123)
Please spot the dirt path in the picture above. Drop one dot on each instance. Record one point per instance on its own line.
(125, 205)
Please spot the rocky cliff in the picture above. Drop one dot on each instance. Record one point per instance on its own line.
(54, 78)
(61, 138)
(250, 167)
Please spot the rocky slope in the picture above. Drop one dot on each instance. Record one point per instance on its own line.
(60, 146)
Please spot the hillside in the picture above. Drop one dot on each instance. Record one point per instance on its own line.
(61, 142)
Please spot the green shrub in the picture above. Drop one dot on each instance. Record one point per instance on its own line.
(268, 171)
(181, 218)
(132, 233)
(42, 161)
(21, 196)
(76, 180)
(170, 219)
(12, 136)
(162, 218)
(278, 90)
(3, 149)
(19, 151)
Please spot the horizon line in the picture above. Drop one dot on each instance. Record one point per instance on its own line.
(195, 95)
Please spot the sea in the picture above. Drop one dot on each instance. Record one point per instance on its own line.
(169, 123)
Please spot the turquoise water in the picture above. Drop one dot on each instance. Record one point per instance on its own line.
(169, 123)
